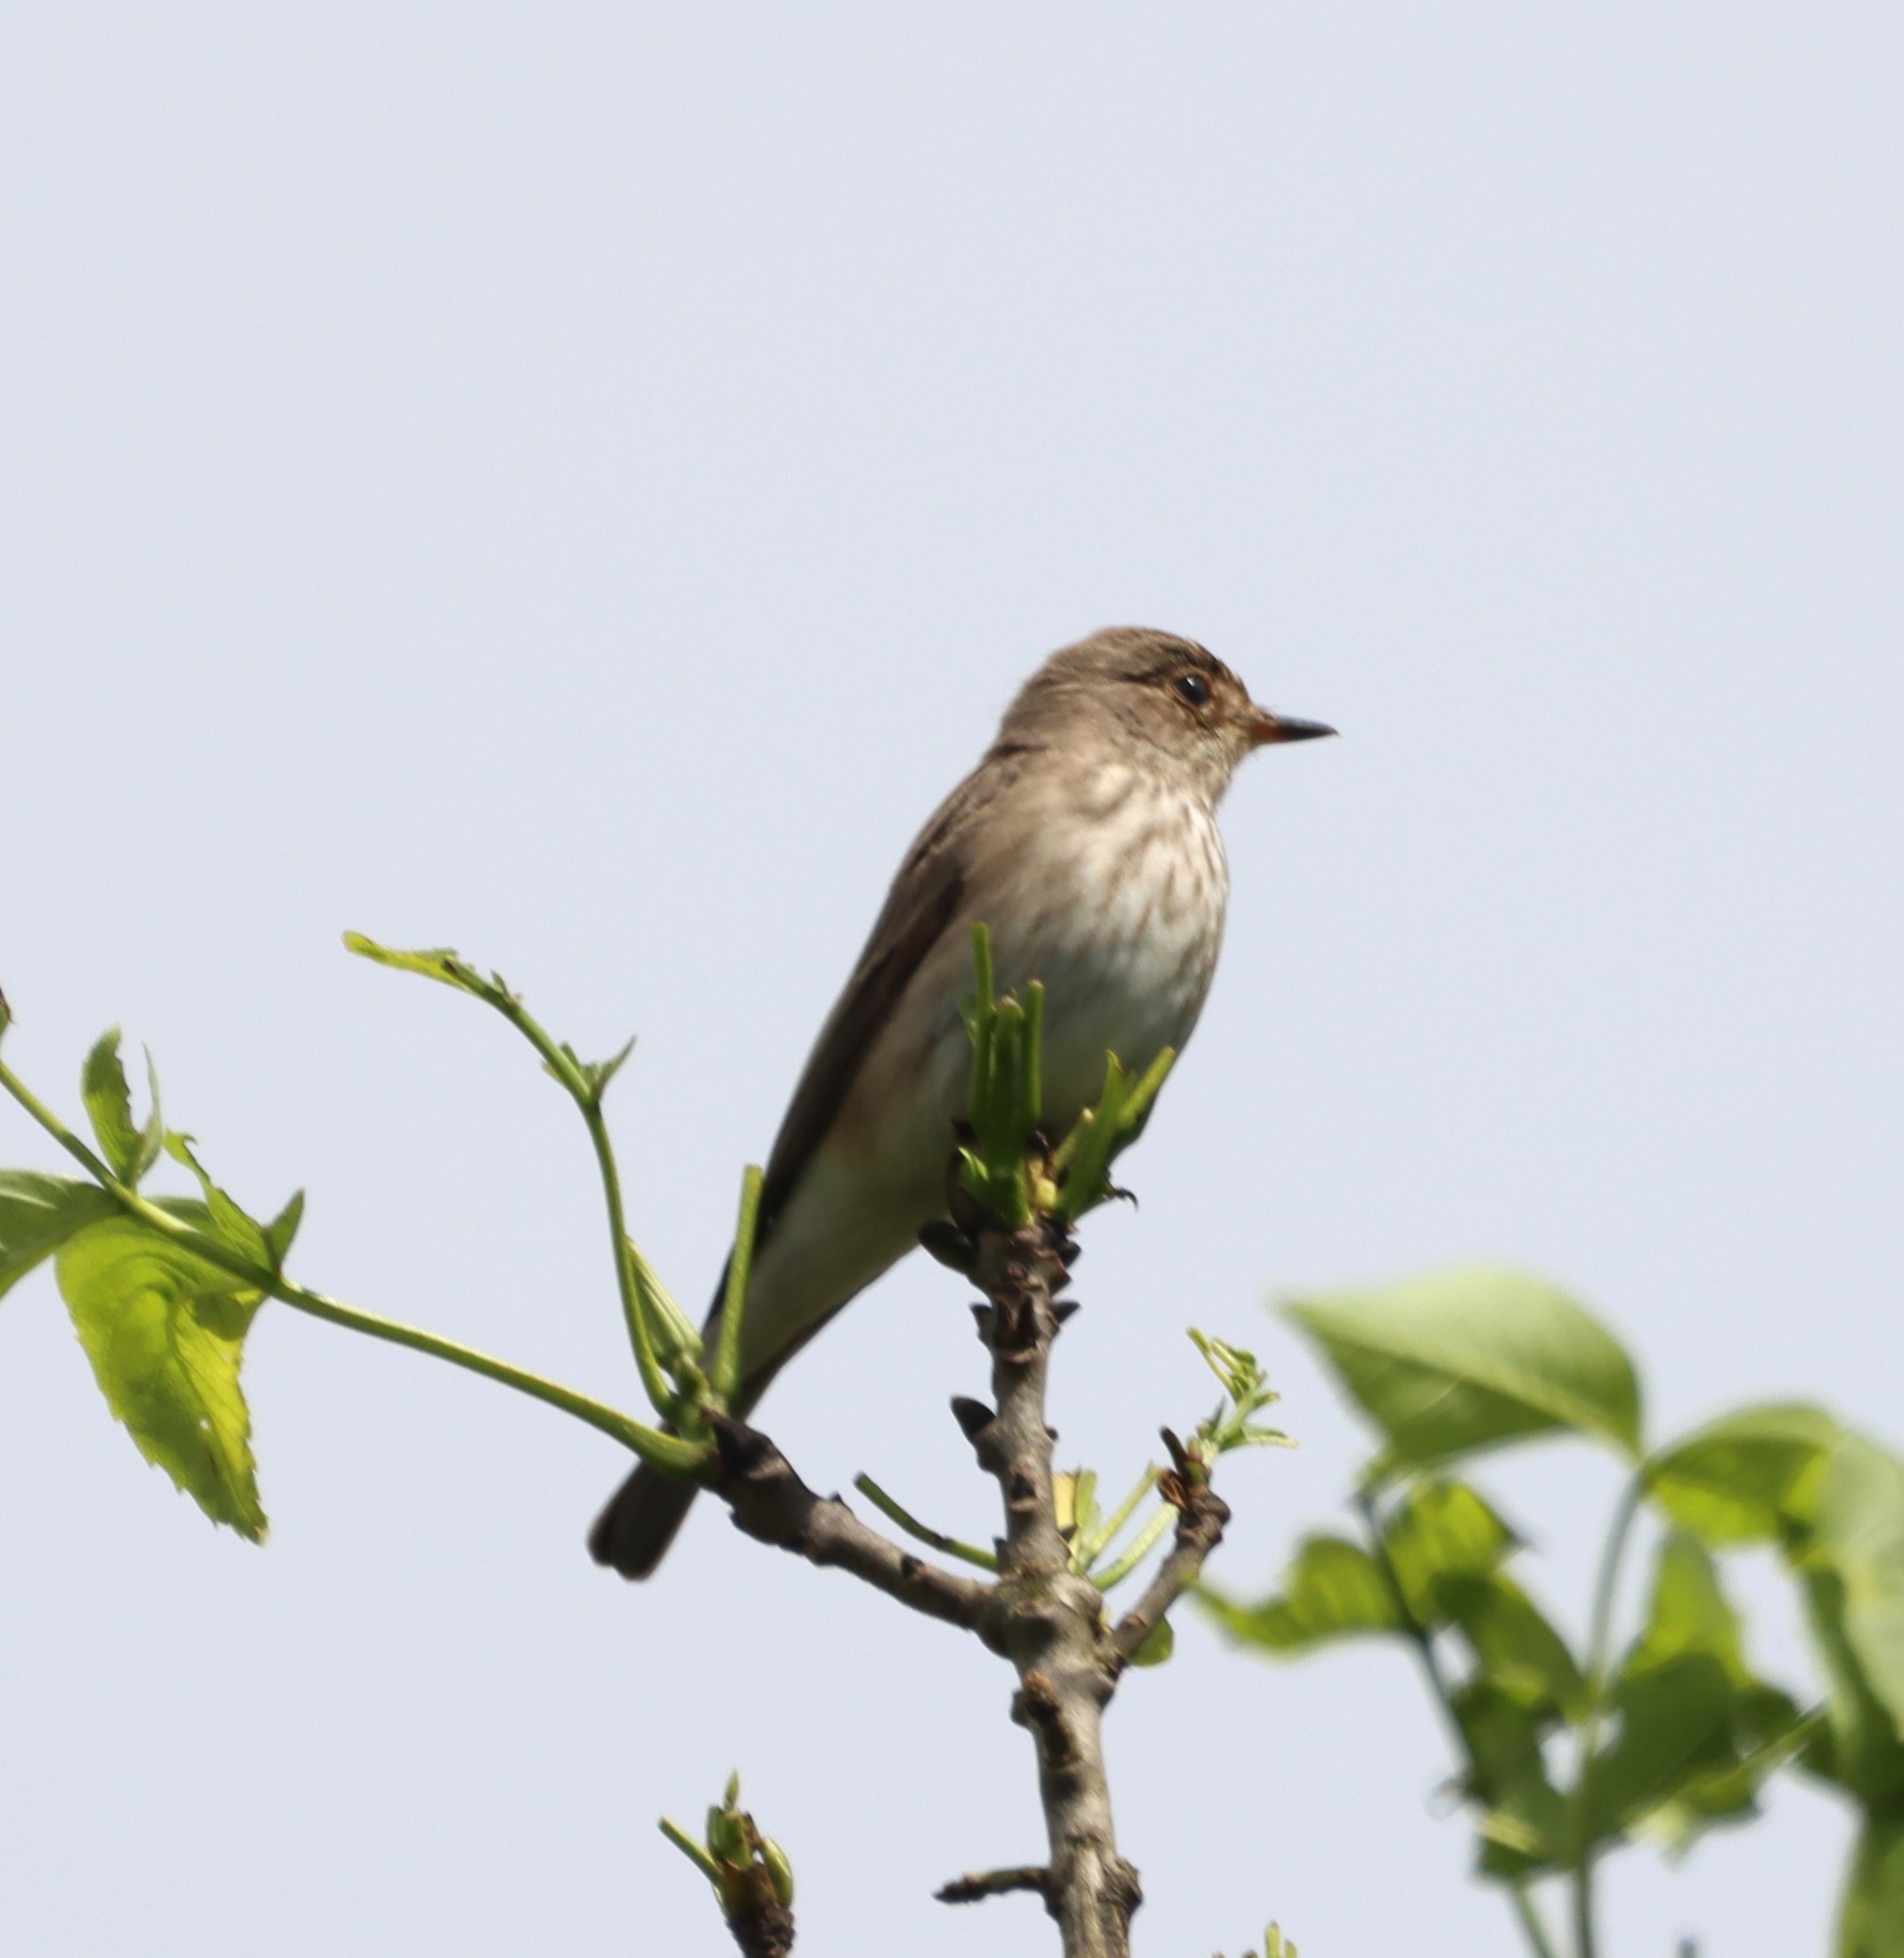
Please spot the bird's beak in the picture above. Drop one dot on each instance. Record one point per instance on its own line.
(1262, 728)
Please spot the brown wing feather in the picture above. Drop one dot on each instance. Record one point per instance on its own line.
(632, 1533)
(920, 906)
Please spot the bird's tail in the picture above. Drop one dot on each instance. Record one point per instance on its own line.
(632, 1533)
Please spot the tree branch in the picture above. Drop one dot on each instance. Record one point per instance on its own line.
(760, 1924)
(974, 1890)
(1201, 1517)
(1044, 1617)
(771, 1504)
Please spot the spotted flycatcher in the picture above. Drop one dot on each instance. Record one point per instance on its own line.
(1086, 840)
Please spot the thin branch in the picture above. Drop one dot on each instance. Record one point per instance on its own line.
(771, 1504)
(1201, 1516)
(976, 1888)
(1599, 1650)
(760, 1924)
(1423, 1640)
(585, 1090)
(1529, 1917)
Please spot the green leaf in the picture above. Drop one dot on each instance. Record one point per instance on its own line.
(1871, 1918)
(1442, 1529)
(283, 1229)
(1675, 1725)
(165, 1332)
(231, 1225)
(1471, 1358)
(1515, 1646)
(1860, 1532)
(1102, 1133)
(129, 1150)
(1332, 1589)
(1157, 1647)
(1749, 1477)
(1700, 1732)
(38, 1213)
(446, 967)
(1523, 1819)
(1860, 1750)
(1689, 1613)
(597, 1074)
(1004, 1095)
(1767, 1731)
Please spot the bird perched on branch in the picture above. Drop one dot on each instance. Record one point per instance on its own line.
(1086, 840)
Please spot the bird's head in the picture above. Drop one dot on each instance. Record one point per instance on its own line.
(1150, 698)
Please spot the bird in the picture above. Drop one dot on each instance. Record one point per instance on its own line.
(1086, 842)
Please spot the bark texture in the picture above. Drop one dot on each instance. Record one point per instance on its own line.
(1049, 1621)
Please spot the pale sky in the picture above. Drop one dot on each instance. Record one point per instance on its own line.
(578, 484)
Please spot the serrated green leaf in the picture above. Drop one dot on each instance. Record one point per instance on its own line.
(1441, 1531)
(1469, 1360)
(1749, 1477)
(1332, 1589)
(108, 1099)
(38, 1213)
(1871, 1918)
(1157, 1647)
(165, 1332)
(230, 1225)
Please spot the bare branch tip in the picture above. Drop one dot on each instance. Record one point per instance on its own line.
(975, 1888)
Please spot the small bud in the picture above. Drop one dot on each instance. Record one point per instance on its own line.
(727, 1835)
(973, 1416)
(780, 1871)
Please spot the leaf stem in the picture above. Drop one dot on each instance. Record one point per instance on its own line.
(57, 1129)
(635, 1306)
(692, 1850)
(921, 1532)
(1599, 1645)
(727, 1357)
(1530, 1921)
(664, 1450)
(1423, 1640)
(1099, 1539)
(1139, 1547)
(655, 1382)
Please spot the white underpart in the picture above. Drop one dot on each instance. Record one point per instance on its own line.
(1124, 931)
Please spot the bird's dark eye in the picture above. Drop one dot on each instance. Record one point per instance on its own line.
(1193, 688)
